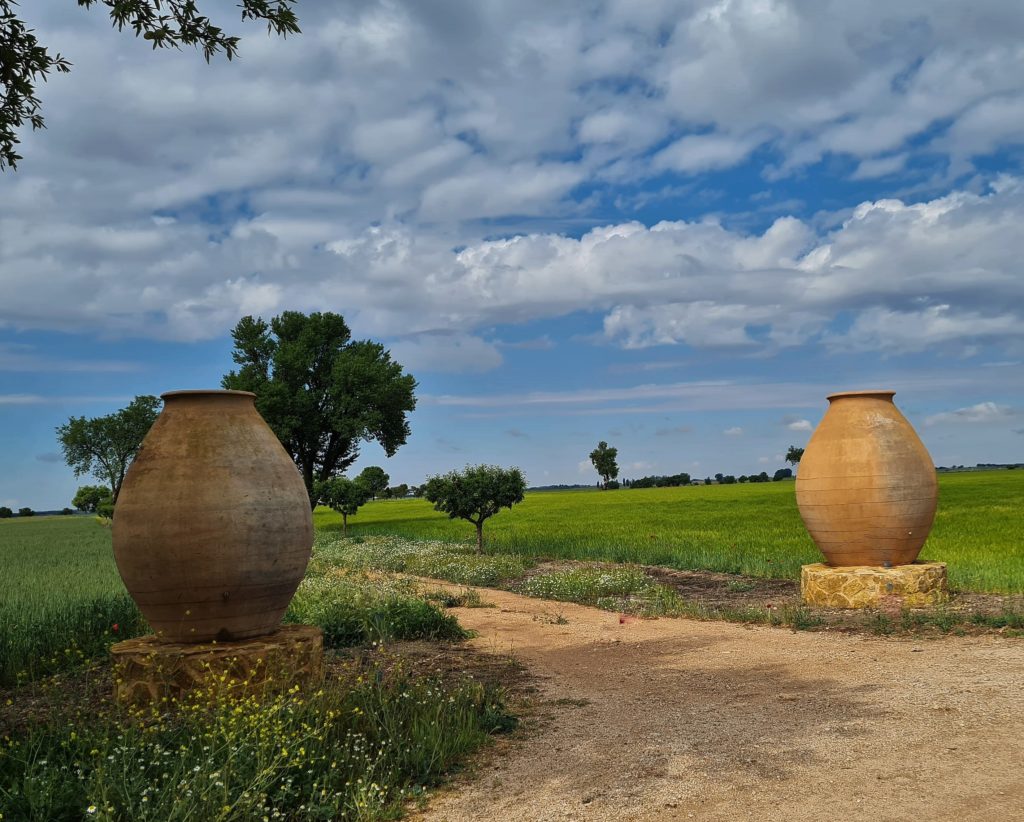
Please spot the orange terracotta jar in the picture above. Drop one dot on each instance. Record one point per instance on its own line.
(212, 528)
(866, 486)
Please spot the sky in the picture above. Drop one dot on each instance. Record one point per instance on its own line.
(673, 226)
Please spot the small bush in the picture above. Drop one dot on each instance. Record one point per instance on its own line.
(356, 610)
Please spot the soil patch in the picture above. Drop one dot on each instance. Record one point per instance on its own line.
(670, 719)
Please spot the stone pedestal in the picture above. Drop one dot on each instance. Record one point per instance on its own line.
(863, 586)
(148, 669)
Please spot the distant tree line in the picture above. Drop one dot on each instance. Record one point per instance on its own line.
(657, 481)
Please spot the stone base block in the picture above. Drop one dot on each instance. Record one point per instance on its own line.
(148, 669)
(863, 586)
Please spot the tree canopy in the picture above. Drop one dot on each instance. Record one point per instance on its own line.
(164, 23)
(89, 497)
(604, 459)
(344, 496)
(321, 392)
(794, 454)
(375, 479)
(5, 512)
(106, 446)
(476, 494)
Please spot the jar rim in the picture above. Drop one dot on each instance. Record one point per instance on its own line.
(879, 393)
(206, 392)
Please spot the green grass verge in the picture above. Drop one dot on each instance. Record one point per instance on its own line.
(742, 529)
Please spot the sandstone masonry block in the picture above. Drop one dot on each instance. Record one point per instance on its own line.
(918, 585)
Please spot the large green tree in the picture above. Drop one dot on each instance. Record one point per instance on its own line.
(322, 392)
(476, 494)
(375, 479)
(106, 446)
(604, 459)
(24, 61)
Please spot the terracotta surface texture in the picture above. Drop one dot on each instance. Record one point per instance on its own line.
(866, 486)
(147, 669)
(866, 586)
(212, 529)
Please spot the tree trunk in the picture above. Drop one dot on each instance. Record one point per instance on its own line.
(480, 537)
(344, 524)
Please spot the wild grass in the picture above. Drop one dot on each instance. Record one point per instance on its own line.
(369, 740)
(623, 589)
(62, 601)
(426, 558)
(753, 530)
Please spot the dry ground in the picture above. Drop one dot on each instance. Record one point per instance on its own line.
(680, 719)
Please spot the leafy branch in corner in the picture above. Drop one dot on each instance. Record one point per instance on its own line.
(24, 62)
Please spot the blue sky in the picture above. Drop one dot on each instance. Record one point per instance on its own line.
(675, 226)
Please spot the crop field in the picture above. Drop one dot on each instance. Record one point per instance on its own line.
(60, 593)
(746, 529)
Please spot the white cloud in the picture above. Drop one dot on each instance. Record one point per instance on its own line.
(585, 467)
(339, 170)
(983, 412)
(800, 425)
(735, 431)
(705, 152)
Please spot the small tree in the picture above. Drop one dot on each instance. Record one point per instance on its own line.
(344, 496)
(782, 473)
(26, 512)
(5, 512)
(375, 480)
(106, 446)
(476, 494)
(67, 512)
(603, 457)
(794, 454)
(88, 497)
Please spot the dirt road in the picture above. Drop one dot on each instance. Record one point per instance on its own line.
(678, 719)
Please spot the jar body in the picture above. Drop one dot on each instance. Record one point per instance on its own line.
(866, 486)
(212, 529)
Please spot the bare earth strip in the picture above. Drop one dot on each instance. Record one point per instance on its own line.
(680, 719)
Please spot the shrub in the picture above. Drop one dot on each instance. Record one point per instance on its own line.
(355, 610)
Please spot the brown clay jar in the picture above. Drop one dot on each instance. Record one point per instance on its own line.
(866, 486)
(212, 528)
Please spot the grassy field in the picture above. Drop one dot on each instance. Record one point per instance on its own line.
(748, 529)
(60, 593)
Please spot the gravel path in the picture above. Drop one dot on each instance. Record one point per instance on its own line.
(679, 719)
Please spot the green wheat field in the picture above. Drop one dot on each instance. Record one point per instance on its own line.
(741, 529)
